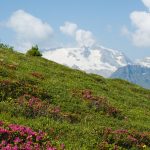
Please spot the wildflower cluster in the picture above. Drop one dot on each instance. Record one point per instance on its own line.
(16, 137)
(32, 106)
(116, 139)
(101, 103)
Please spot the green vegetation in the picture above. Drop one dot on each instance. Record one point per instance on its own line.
(7, 47)
(82, 111)
(34, 51)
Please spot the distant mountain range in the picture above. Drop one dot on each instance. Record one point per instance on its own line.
(137, 74)
(97, 60)
(144, 62)
(103, 61)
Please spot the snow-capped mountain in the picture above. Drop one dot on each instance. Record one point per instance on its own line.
(144, 62)
(98, 60)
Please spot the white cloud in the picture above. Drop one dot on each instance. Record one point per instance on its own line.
(29, 29)
(82, 37)
(146, 3)
(69, 28)
(141, 22)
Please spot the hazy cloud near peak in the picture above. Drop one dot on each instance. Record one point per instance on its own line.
(82, 37)
(29, 29)
(69, 28)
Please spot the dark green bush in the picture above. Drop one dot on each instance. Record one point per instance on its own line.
(5, 46)
(34, 51)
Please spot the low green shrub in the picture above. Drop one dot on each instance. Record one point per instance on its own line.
(34, 51)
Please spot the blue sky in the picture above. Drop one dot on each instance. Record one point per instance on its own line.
(114, 24)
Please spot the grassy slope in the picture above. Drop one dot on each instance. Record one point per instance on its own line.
(65, 86)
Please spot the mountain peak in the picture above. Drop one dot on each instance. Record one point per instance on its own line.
(98, 59)
(144, 62)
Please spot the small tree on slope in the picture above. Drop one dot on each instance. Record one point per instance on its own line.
(34, 51)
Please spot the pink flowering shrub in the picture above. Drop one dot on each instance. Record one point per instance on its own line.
(18, 137)
(101, 104)
(32, 106)
(117, 139)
